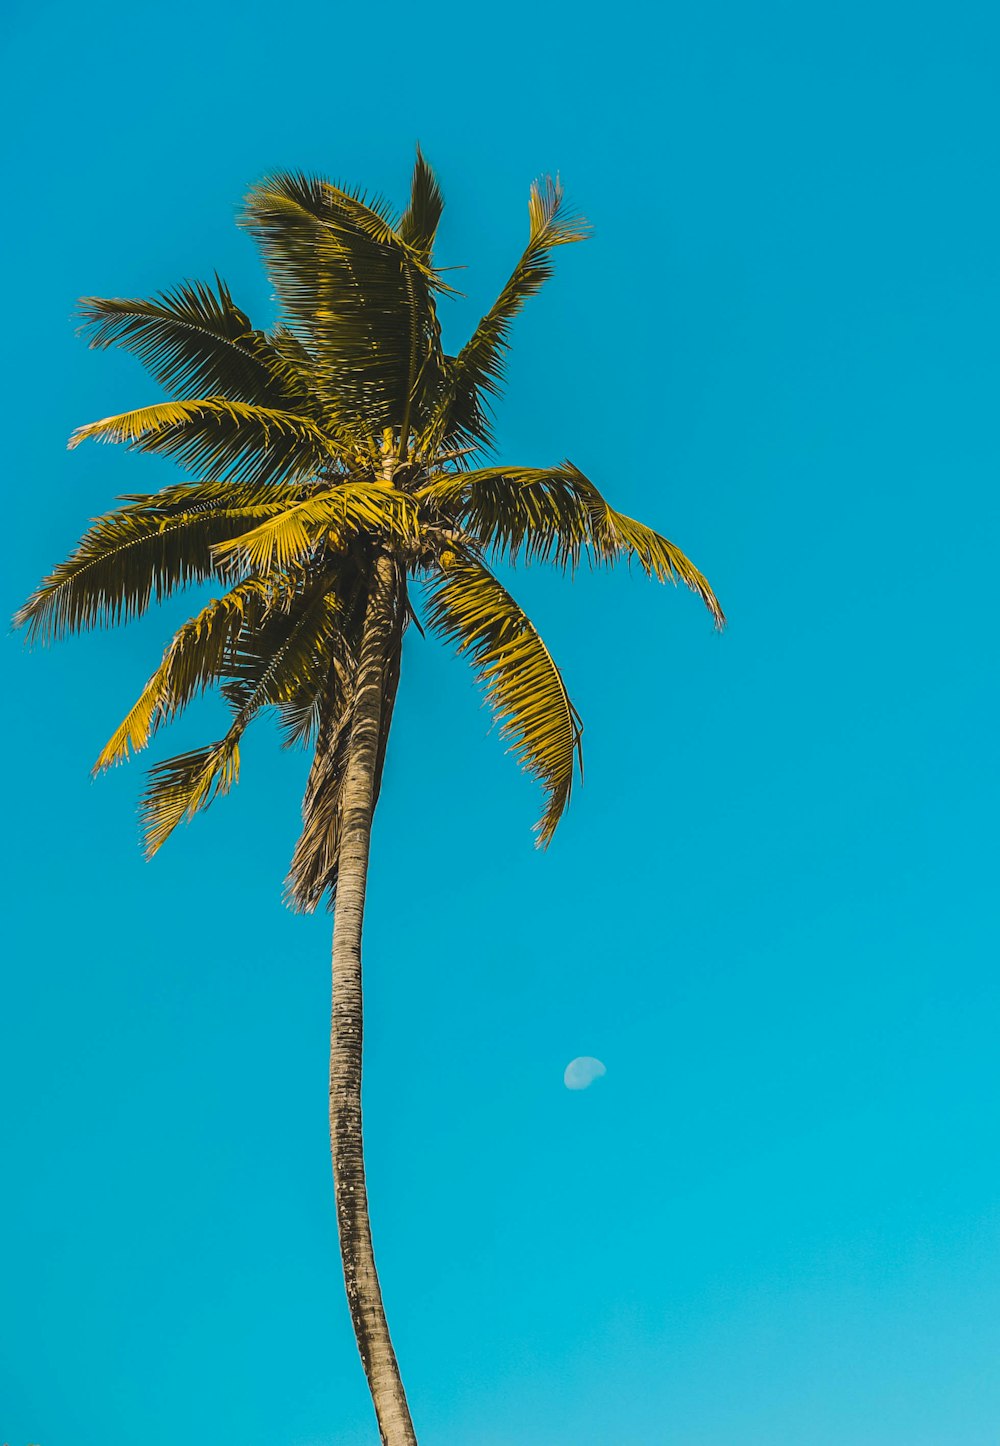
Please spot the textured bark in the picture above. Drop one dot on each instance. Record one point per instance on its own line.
(378, 661)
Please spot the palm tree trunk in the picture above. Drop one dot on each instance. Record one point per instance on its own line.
(379, 640)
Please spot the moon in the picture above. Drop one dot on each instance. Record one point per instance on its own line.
(581, 1072)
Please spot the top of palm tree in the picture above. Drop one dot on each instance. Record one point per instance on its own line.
(342, 435)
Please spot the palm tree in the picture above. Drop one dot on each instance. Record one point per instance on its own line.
(331, 466)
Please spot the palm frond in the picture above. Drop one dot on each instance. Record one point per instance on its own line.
(357, 294)
(275, 656)
(313, 870)
(557, 514)
(616, 536)
(519, 512)
(476, 374)
(419, 223)
(334, 517)
(301, 713)
(297, 357)
(128, 559)
(315, 860)
(197, 656)
(180, 787)
(195, 338)
(469, 607)
(249, 497)
(228, 440)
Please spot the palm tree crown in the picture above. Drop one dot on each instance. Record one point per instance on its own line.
(338, 436)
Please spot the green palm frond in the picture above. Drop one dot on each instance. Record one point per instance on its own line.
(128, 559)
(356, 294)
(223, 439)
(616, 535)
(197, 656)
(419, 223)
(180, 787)
(557, 514)
(196, 338)
(520, 512)
(467, 606)
(334, 517)
(251, 498)
(274, 658)
(300, 362)
(301, 713)
(476, 374)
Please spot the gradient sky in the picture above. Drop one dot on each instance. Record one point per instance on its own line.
(771, 909)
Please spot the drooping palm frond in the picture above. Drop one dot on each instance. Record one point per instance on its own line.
(308, 706)
(557, 514)
(470, 608)
(198, 655)
(223, 439)
(128, 559)
(476, 375)
(356, 293)
(335, 516)
(519, 512)
(313, 870)
(301, 713)
(274, 657)
(196, 338)
(617, 536)
(180, 787)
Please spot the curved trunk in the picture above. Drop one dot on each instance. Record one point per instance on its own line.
(378, 656)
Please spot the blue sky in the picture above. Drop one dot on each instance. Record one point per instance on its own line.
(771, 909)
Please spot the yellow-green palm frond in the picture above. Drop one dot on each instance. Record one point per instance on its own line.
(481, 361)
(180, 787)
(130, 558)
(356, 293)
(557, 514)
(419, 223)
(197, 656)
(301, 712)
(334, 517)
(617, 536)
(195, 338)
(299, 359)
(476, 374)
(282, 653)
(249, 498)
(469, 607)
(519, 512)
(216, 437)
